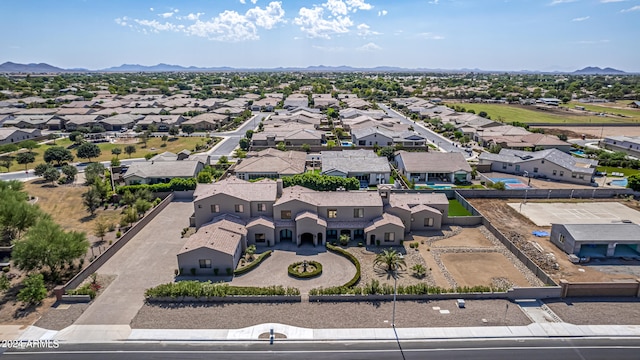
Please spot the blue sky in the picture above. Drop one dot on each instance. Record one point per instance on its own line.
(449, 34)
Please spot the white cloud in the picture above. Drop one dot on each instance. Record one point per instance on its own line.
(611, 1)
(254, 1)
(337, 7)
(581, 18)
(430, 36)
(226, 26)
(635, 8)
(382, 12)
(150, 9)
(434, 2)
(122, 21)
(268, 17)
(329, 48)
(369, 47)
(313, 23)
(166, 15)
(358, 5)
(557, 2)
(242, 2)
(365, 30)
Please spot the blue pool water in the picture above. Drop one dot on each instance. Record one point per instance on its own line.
(346, 143)
(506, 180)
(621, 182)
(433, 187)
(578, 153)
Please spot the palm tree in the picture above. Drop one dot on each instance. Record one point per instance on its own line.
(391, 259)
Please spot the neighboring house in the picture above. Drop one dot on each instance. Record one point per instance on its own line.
(297, 214)
(549, 101)
(381, 136)
(635, 104)
(627, 144)
(364, 165)
(290, 135)
(551, 164)
(598, 240)
(161, 122)
(30, 121)
(152, 172)
(73, 122)
(207, 121)
(120, 121)
(267, 104)
(11, 135)
(270, 163)
(296, 101)
(432, 166)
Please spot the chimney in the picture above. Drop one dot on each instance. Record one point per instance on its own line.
(278, 188)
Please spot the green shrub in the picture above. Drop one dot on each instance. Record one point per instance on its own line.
(83, 290)
(375, 288)
(377, 242)
(216, 271)
(176, 184)
(199, 289)
(353, 260)
(229, 271)
(260, 258)
(193, 271)
(293, 272)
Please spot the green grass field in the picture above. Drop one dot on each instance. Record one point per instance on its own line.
(510, 113)
(456, 209)
(609, 170)
(153, 146)
(609, 108)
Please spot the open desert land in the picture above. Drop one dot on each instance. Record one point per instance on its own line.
(518, 227)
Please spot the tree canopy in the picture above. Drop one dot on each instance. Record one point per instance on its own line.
(321, 182)
(88, 151)
(57, 154)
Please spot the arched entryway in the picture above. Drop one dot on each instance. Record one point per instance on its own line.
(307, 238)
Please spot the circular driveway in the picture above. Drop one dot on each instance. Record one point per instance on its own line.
(336, 270)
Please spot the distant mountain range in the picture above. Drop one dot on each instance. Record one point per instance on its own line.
(10, 67)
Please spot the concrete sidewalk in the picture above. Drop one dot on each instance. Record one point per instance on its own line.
(102, 333)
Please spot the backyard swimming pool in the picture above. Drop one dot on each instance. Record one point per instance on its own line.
(619, 182)
(510, 183)
(433, 187)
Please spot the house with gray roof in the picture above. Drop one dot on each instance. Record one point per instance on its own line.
(598, 240)
(433, 166)
(364, 165)
(627, 144)
(270, 163)
(383, 136)
(161, 122)
(12, 135)
(30, 121)
(153, 172)
(550, 164)
(120, 121)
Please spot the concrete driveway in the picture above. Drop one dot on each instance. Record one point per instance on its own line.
(147, 260)
(336, 270)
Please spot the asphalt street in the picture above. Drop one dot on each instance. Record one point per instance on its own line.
(442, 142)
(522, 349)
(233, 137)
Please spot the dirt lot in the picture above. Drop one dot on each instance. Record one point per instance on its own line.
(329, 315)
(594, 132)
(470, 256)
(518, 228)
(481, 269)
(599, 311)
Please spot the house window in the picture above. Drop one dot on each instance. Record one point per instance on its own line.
(504, 166)
(389, 237)
(239, 208)
(262, 207)
(581, 177)
(561, 238)
(573, 175)
(215, 208)
(535, 169)
(285, 214)
(261, 238)
(332, 213)
(542, 161)
(358, 213)
(428, 222)
(205, 263)
(555, 172)
(561, 173)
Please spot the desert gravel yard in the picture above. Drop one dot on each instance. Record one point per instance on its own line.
(329, 315)
(597, 311)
